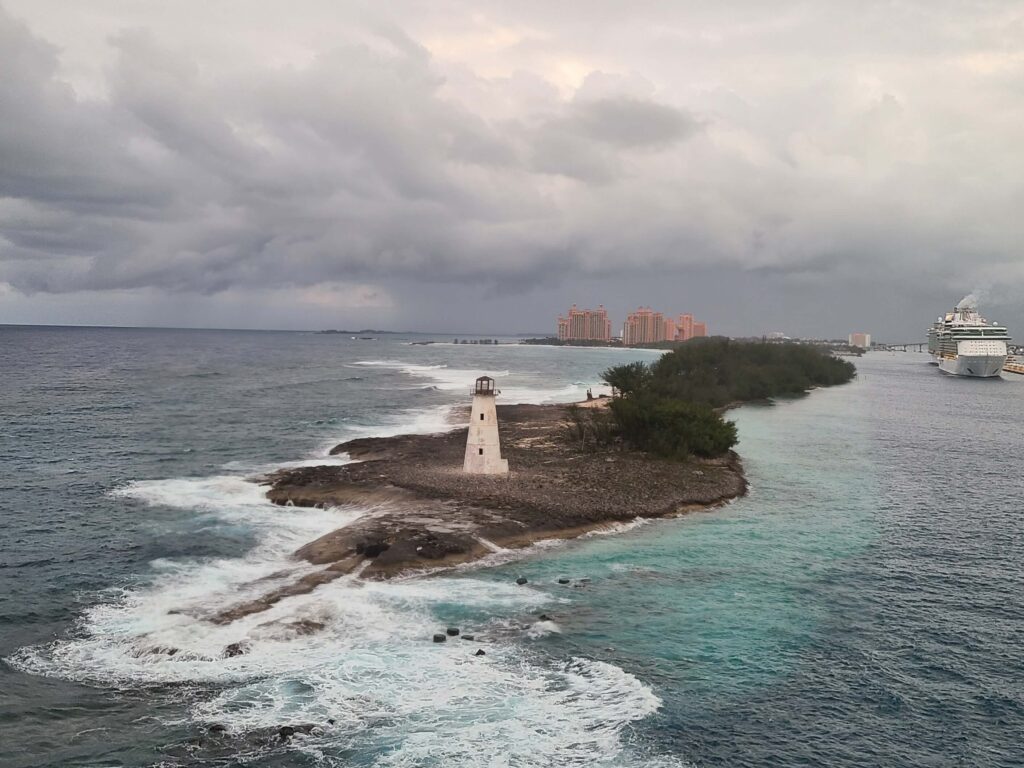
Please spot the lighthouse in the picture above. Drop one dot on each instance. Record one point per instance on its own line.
(483, 446)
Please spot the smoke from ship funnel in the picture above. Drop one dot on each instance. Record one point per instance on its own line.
(970, 301)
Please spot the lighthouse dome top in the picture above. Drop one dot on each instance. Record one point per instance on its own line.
(484, 386)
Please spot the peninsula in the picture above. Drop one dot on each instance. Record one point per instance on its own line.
(652, 452)
(427, 514)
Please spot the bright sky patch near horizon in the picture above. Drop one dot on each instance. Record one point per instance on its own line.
(815, 168)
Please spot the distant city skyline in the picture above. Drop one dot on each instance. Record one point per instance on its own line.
(642, 326)
(645, 326)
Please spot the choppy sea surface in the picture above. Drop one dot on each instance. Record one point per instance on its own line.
(863, 606)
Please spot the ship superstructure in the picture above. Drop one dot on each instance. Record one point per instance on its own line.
(964, 343)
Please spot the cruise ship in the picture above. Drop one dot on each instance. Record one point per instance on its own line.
(964, 343)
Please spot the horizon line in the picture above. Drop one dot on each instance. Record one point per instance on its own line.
(259, 330)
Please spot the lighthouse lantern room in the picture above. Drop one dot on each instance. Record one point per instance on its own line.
(483, 445)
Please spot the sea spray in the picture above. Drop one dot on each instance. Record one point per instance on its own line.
(351, 651)
(516, 387)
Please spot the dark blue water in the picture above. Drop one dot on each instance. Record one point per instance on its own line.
(863, 606)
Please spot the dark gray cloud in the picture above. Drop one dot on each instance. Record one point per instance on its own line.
(356, 161)
(631, 122)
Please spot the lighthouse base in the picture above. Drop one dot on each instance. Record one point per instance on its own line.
(483, 445)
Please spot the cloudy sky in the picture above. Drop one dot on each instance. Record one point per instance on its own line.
(814, 167)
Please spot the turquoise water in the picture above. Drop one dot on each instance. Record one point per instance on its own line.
(861, 606)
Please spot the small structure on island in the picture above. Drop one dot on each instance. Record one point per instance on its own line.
(483, 446)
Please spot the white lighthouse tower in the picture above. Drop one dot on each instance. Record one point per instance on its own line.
(483, 446)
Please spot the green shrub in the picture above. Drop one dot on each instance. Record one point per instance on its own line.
(628, 378)
(590, 428)
(667, 407)
(672, 428)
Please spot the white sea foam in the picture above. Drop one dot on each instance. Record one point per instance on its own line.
(515, 388)
(413, 421)
(420, 421)
(233, 499)
(372, 668)
(370, 665)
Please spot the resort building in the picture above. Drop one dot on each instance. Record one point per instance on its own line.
(585, 325)
(862, 340)
(684, 327)
(671, 329)
(687, 328)
(645, 326)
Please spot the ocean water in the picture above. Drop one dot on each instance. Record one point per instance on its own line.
(864, 605)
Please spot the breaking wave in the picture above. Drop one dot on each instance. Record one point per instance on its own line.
(354, 658)
(359, 654)
(515, 388)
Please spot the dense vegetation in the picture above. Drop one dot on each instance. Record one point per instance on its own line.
(669, 407)
(554, 341)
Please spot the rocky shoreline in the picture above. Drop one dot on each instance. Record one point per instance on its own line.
(425, 513)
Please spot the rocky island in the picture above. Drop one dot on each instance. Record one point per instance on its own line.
(425, 513)
(661, 448)
(439, 515)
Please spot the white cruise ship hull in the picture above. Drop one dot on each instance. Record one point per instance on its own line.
(982, 366)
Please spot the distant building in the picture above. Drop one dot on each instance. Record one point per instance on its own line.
(645, 326)
(862, 340)
(685, 327)
(585, 325)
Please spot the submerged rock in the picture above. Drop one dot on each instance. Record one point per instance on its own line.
(285, 732)
(236, 649)
(521, 580)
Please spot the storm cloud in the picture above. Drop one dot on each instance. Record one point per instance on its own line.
(334, 150)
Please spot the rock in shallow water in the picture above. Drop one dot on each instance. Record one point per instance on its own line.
(235, 649)
(440, 637)
(521, 580)
(285, 732)
(452, 631)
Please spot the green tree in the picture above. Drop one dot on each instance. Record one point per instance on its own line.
(628, 378)
(668, 407)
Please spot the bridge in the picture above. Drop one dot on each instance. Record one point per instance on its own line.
(910, 346)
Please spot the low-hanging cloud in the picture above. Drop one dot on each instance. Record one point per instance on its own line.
(378, 157)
